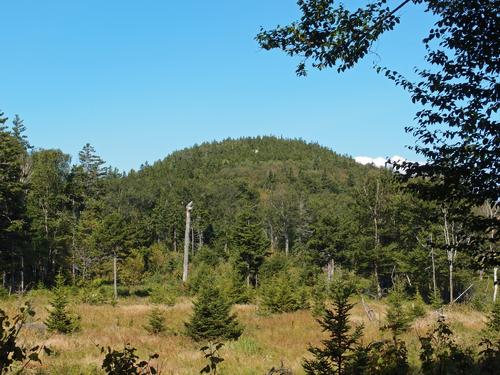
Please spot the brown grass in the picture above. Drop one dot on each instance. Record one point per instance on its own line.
(266, 341)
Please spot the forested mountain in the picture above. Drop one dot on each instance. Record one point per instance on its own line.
(261, 206)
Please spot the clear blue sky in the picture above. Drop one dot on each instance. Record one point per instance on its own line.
(139, 79)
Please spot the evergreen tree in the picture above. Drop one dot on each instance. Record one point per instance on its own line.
(18, 129)
(282, 293)
(398, 320)
(338, 350)
(250, 244)
(60, 319)
(212, 319)
(156, 322)
(12, 200)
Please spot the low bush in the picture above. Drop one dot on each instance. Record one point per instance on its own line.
(283, 293)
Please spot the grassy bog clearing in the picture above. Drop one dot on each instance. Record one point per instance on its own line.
(267, 339)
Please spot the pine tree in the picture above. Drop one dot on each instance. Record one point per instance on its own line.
(156, 323)
(60, 319)
(339, 349)
(212, 319)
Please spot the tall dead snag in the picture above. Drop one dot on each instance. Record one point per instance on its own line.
(115, 283)
(189, 208)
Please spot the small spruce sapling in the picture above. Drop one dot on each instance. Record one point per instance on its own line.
(156, 322)
(60, 319)
(318, 294)
(418, 308)
(398, 319)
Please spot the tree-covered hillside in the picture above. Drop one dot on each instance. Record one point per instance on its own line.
(283, 180)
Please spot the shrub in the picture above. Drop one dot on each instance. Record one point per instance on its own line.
(211, 354)
(132, 269)
(440, 355)
(318, 294)
(489, 357)
(231, 284)
(59, 319)
(156, 322)
(11, 352)
(282, 293)
(417, 306)
(493, 324)
(386, 357)
(95, 295)
(211, 319)
(127, 362)
(4, 294)
(162, 294)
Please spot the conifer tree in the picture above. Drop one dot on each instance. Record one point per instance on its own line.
(156, 322)
(339, 349)
(12, 199)
(398, 320)
(212, 319)
(250, 244)
(60, 319)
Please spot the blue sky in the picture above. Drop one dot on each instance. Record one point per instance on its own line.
(140, 79)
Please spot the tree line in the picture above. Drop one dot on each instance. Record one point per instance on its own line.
(255, 201)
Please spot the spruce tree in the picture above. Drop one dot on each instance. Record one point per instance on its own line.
(339, 349)
(212, 319)
(398, 320)
(156, 322)
(249, 243)
(60, 319)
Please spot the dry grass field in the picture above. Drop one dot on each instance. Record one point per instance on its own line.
(266, 341)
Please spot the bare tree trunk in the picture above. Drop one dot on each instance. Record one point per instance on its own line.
(192, 241)
(271, 236)
(330, 270)
(175, 239)
(115, 283)
(189, 207)
(377, 281)
(434, 284)
(451, 281)
(287, 244)
(22, 274)
(449, 237)
(495, 284)
(200, 237)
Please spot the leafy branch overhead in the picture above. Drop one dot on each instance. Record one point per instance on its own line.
(330, 35)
